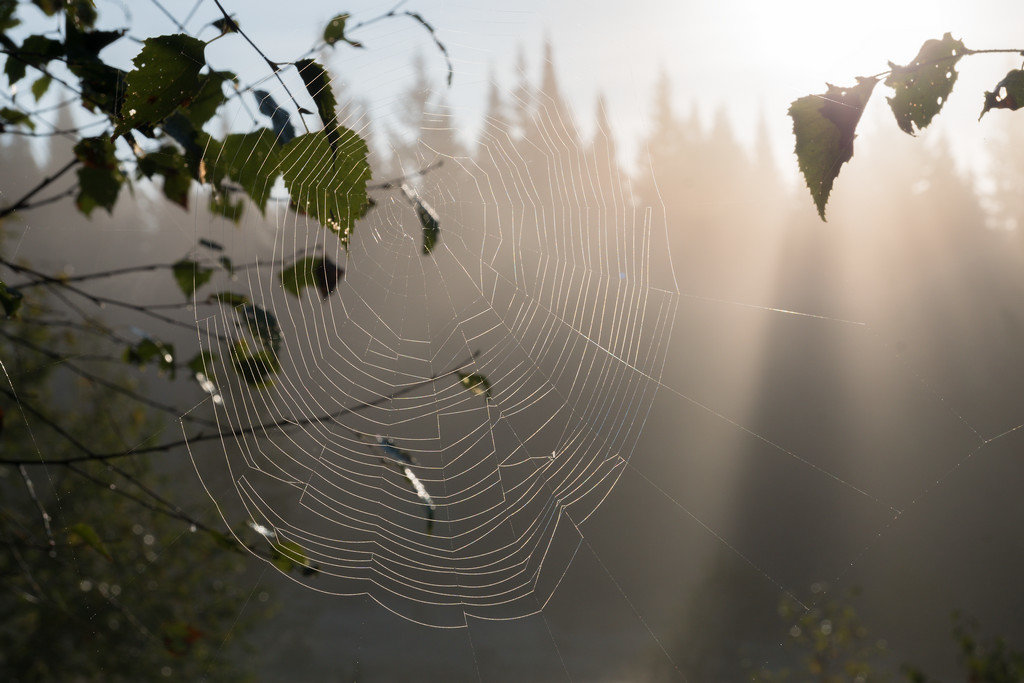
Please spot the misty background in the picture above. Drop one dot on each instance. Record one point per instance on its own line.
(838, 402)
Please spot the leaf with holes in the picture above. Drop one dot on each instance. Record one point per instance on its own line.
(476, 383)
(824, 128)
(924, 85)
(190, 276)
(1009, 93)
(166, 76)
(329, 187)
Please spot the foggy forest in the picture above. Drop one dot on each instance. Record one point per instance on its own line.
(479, 367)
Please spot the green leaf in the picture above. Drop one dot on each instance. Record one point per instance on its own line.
(36, 51)
(335, 31)
(476, 383)
(257, 368)
(229, 299)
(83, 533)
(147, 351)
(190, 276)
(173, 168)
(40, 86)
(10, 299)
(1008, 94)
(100, 178)
(429, 221)
(221, 205)
(166, 76)
(329, 187)
(318, 85)
(249, 159)
(13, 117)
(210, 96)
(311, 271)
(7, 18)
(824, 128)
(924, 85)
(289, 555)
(262, 325)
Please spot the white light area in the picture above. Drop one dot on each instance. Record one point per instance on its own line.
(263, 531)
(421, 490)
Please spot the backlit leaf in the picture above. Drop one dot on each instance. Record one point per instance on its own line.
(1009, 93)
(99, 177)
(249, 159)
(923, 86)
(166, 76)
(190, 276)
(330, 187)
(824, 128)
(318, 85)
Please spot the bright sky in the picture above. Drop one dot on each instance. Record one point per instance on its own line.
(750, 57)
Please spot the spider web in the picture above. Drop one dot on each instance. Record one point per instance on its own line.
(564, 314)
(607, 380)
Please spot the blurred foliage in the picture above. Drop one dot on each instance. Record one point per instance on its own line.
(107, 589)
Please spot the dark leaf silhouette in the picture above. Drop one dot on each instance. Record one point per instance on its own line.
(335, 31)
(318, 85)
(311, 271)
(280, 119)
(923, 86)
(824, 126)
(1008, 94)
(10, 299)
(99, 178)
